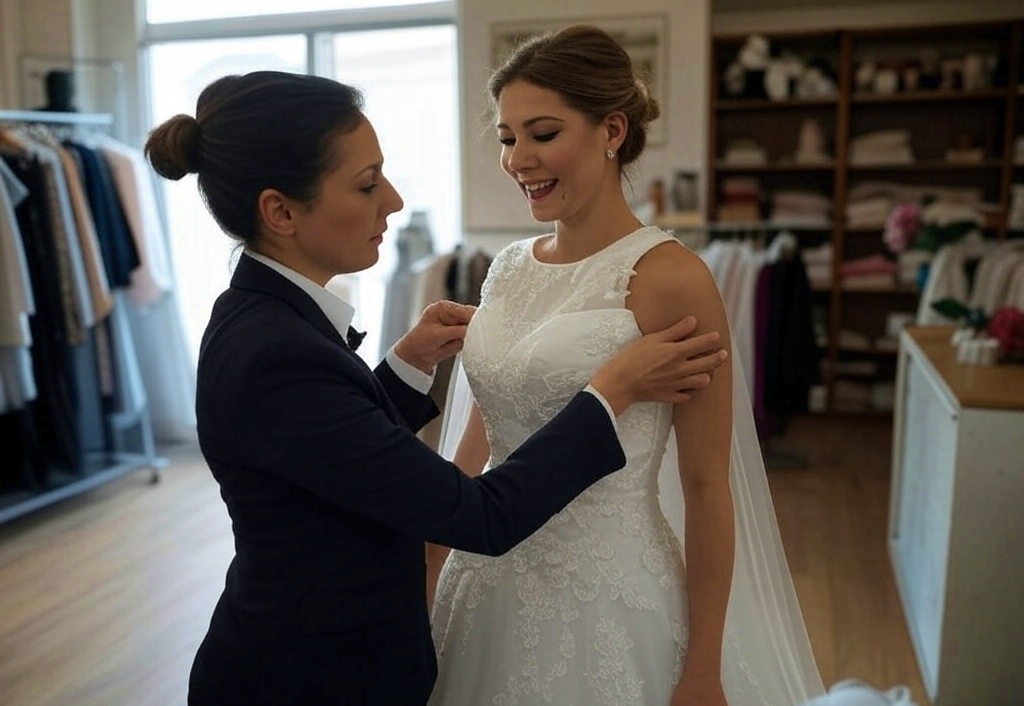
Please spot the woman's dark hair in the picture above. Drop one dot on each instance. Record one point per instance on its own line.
(591, 72)
(263, 130)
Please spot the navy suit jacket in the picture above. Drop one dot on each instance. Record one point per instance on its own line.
(332, 496)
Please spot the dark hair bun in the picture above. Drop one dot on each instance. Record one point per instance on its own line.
(173, 147)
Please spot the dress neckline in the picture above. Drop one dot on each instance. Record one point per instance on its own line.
(532, 243)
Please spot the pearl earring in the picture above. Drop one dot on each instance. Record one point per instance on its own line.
(610, 153)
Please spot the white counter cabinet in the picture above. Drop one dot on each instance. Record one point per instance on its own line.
(956, 520)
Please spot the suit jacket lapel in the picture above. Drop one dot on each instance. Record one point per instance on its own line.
(255, 276)
(252, 275)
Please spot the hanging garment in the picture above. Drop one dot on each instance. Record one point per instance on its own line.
(54, 413)
(947, 277)
(99, 288)
(136, 192)
(17, 379)
(62, 231)
(995, 272)
(120, 256)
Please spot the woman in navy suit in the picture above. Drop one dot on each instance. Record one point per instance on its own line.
(331, 495)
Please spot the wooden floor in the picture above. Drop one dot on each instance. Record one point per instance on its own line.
(104, 598)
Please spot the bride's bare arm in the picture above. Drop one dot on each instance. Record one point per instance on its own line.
(470, 456)
(672, 282)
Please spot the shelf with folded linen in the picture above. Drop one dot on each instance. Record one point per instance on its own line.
(825, 167)
(772, 204)
(936, 96)
(858, 397)
(928, 166)
(871, 274)
(792, 141)
(869, 203)
(880, 343)
(918, 119)
(766, 104)
(863, 368)
(915, 138)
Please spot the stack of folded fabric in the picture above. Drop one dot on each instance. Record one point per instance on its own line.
(795, 208)
(871, 272)
(818, 263)
(869, 203)
(744, 152)
(882, 147)
(741, 200)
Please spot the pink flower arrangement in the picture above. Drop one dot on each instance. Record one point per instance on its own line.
(1007, 327)
(901, 227)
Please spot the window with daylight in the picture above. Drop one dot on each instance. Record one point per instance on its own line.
(166, 11)
(408, 77)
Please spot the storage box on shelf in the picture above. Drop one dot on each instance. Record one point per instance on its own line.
(926, 110)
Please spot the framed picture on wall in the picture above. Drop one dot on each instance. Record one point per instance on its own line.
(642, 36)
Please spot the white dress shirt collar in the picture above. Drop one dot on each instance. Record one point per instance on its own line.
(338, 311)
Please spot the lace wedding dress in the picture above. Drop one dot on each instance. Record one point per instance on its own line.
(591, 609)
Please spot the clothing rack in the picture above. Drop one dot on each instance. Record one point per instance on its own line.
(129, 439)
(55, 118)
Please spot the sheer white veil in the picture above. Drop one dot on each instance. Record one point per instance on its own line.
(764, 623)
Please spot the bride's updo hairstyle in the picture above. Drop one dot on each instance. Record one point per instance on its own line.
(263, 130)
(592, 73)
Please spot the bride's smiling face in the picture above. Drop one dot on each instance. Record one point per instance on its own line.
(554, 153)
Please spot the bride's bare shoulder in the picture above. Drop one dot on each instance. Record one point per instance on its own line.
(671, 282)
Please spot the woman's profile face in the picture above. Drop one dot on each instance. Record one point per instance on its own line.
(342, 229)
(554, 153)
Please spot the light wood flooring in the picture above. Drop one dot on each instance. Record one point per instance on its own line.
(105, 597)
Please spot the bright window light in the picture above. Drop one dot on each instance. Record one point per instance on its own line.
(178, 73)
(163, 11)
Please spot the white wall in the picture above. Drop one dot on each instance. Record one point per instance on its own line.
(10, 26)
(493, 210)
(30, 27)
(118, 26)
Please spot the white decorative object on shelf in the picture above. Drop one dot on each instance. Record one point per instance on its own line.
(977, 351)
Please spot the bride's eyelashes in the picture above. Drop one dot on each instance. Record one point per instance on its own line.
(545, 137)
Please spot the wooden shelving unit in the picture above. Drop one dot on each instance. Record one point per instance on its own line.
(993, 116)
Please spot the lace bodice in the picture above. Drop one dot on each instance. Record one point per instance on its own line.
(541, 333)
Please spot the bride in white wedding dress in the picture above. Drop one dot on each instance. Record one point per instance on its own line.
(606, 604)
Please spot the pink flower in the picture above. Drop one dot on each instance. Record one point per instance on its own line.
(901, 227)
(1007, 327)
